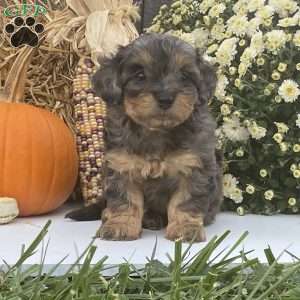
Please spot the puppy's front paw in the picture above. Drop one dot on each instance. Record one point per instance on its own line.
(118, 231)
(187, 232)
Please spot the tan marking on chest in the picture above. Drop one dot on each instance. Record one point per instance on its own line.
(138, 167)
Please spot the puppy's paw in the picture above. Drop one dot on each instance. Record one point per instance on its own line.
(113, 230)
(187, 232)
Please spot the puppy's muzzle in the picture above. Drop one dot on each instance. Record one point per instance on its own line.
(165, 103)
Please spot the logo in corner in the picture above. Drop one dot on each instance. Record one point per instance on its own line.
(24, 27)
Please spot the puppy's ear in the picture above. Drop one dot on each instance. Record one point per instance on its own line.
(207, 79)
(106, 81)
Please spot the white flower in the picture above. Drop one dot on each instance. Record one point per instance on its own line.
(242, 70)
(253, 26)
(234, 131)
(289, 22)
(289, 90)
(248, 55)
(237, 25)
(201, 37)
(218, 32)
(257, 43)
(283, 7)
(283, 147)
(229, 184)
(256, 132)
(298, 121)
(277, 137)
(237, 195)
(255, 5)
(275, 40)
(240, 7)
(221, 86)
(296, 39)
(226, 52)
(281, 127)
(187, 37)
(206, 5)
(225, 109)
(216, 10)
(265, 12)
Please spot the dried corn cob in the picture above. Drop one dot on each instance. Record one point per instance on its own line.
(90, 113)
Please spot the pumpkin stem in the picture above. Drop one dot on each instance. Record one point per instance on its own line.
(14, 88)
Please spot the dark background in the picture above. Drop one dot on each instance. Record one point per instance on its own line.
(148, 10)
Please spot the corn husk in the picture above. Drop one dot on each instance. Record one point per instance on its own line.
(95, 28)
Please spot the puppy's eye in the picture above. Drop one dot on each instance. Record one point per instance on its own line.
(185, 76)
(140, 76)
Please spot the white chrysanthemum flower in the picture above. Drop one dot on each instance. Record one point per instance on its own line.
(278, 137)
(257, 43)
(296, 39)
(234, 131)
(238, 25)
(243, 68)
(221, 86)
(284, 7)
(216, 10)
(206, 5)
(201, 37)
(275, 40)
(298, 121)
(229, 184)
(248, 55)
(281, 127)
(218, 32)
(187, 37)
(289, 90)
(256, 132)
(226, 52)
(237, 195)
(254, 5)
(265, 12)
(289, 22)
(284, 147)
(253, 26)
(225, 109)
(240, 7)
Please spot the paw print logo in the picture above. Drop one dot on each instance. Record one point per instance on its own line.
(24, 31)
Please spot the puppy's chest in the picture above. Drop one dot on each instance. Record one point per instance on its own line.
(151, 166)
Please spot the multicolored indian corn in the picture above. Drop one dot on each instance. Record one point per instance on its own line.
(90, 114)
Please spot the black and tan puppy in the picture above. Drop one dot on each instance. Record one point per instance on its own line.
(161, 165)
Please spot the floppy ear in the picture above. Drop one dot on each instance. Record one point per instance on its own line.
(207, 80)
(106, 81)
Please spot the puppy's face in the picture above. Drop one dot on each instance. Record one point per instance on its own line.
(158, 79)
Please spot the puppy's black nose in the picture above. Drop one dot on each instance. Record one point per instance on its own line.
(165, 103)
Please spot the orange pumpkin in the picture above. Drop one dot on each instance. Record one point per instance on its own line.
(38, 158)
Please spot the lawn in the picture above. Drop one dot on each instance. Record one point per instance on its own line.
(214, 273)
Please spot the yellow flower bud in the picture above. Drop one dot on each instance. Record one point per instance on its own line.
(282, 67)
(293, 167)
(269, 194)
(250, 189)
(296, 173)
(296, 148)
(292, 201)
(275, 75)
(263, 173)
(260, 61)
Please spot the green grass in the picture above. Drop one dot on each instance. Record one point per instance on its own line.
(214, 273)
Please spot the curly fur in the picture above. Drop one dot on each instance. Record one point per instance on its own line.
(162, 166)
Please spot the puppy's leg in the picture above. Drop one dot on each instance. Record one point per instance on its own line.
(122, 219)
(187, 208)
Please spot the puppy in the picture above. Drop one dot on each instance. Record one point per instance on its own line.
(162, 169)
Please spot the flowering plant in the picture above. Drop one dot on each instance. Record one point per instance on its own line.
(255, 45)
